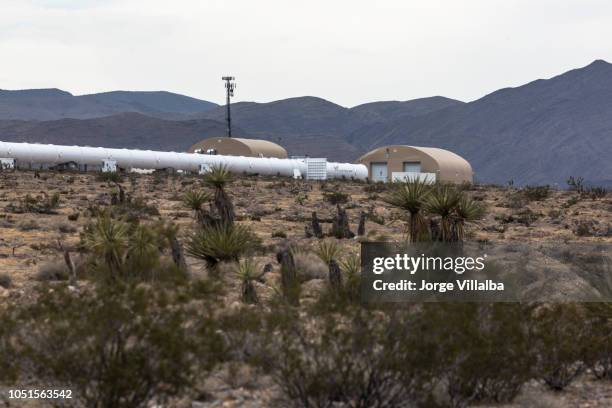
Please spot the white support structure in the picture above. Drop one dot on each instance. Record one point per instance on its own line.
(7, 164)
(109, 166)
(412, 176)
(31, 153)
(316, 168)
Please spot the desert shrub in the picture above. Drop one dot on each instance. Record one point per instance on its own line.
(559, 339)
(526, 217)
(28, 225)
(599, 344)
(74, 216)
(309, 266)
(43, 204)
(376, 218)
(595, 193)
(279, 234)
(109, 177)
(66, 228)
(584, 229)
(8, 358)
(336, 197)
(375, 188)
(5, 280)
(225, 242)
(571, 202)
(536, 193)
(482, 350)
(359, 360)
(300, 198)
(134, 209)
(52, 271)
(116, 346)
(515, 200)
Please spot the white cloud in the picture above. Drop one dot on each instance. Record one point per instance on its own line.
(346, 51)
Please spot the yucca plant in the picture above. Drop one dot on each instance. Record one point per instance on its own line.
(328, 250)
(218, 177)
(142, 253)
(195, 199)
(411, 196)
(167, 234)
(442, 201)
(466, 210)
(224, 242)
(351, 266)
(247, 274)
(108, 241)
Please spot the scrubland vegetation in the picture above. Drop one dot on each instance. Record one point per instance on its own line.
(144, 306)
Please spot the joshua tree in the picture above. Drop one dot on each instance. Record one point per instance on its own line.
(340, 226)
(170, 233)
(316, 227)
(351, 266)
(290, 284)
(328, 251)
(442, 201)
(225, 242)
(195, 199)
(466, 210)
(411, 196)
(108, 240)
(218, 177)
(246, 274)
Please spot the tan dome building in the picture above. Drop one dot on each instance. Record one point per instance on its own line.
(398, 162)
(234, 146)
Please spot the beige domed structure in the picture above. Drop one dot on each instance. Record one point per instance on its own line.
(398, 162)
(233, 146)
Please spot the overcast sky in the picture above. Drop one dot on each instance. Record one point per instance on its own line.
(347, 51)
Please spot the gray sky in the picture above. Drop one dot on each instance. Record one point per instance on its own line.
(347, 51)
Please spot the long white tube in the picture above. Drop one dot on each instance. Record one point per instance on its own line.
(148, 159)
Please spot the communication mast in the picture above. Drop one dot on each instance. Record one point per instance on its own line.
(230, 85)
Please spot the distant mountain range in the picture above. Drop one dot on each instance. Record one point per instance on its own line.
(52, 104)
(541, 132)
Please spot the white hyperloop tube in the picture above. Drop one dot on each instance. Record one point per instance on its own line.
(146, 159)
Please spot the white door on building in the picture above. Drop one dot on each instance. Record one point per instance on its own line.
(412, 167)
(379, 171)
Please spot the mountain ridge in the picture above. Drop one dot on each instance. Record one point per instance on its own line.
(540, 132)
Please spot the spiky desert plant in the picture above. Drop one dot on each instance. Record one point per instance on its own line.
(466, 210)
(351, 266)
(442, 201)
(108, 240)
(218, 177)
(247, 274)
(195, 199)
(168, 235)
(142, 253)
(411, 196)
(224, 242)
(328, 250)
